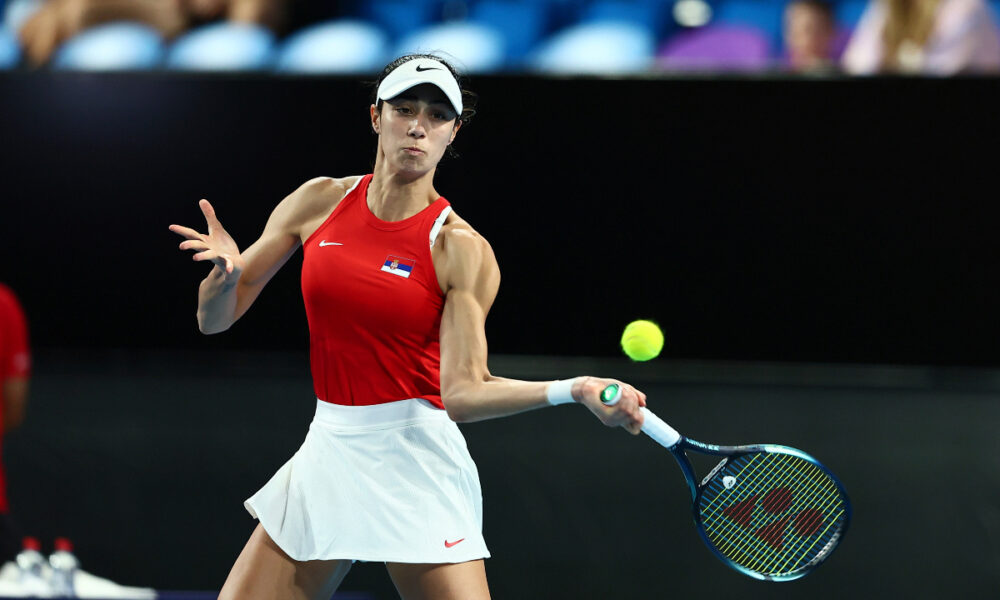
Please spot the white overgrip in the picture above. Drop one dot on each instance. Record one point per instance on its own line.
(656, 428)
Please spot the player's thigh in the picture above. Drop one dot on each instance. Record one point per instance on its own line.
(264, 571)
(457, 581)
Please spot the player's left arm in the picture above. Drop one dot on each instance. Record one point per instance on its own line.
(468, 390)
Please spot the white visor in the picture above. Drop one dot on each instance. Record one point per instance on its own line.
(417, 71)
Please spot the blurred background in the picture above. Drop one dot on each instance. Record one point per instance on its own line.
(505, 36)
(802, 194)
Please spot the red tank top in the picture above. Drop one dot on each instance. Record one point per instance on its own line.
(374, 305)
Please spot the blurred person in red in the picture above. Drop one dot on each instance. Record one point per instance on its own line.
(58, 20)
(15, 372)
(928, 37)
(810, 31)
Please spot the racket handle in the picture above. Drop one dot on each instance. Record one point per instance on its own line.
(652, 425)
(656, 428)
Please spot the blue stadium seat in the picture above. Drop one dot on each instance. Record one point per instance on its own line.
(112, 47)
(475, 48)
(10, 51)
(343, 46)
(762, 14)
(223, 47)
(596, 48)
(17, 12)
(400, 18)
(522, 24)
(645, 13)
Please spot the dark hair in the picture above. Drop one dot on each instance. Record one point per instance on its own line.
(468, 98)
(823, 6)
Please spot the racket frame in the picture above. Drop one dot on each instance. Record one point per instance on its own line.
(678, 444)
(729, 453)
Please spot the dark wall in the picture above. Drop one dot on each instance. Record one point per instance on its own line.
(814, 220)
(806, 220)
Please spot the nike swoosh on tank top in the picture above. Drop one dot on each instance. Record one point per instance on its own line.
(374, 305)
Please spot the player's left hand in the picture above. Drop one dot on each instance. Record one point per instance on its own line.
(587, 391)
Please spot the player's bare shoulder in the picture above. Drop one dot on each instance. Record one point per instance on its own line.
(459, 239)
(464, 255)
(313, 202)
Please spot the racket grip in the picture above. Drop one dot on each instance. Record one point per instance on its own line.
(652, 425)
(656, 428)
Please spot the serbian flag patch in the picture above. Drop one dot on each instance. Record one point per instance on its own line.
(398, 266)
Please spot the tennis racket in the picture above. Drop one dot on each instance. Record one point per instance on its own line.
(771, 512)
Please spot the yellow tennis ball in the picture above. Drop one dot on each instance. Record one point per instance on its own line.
(642, 340)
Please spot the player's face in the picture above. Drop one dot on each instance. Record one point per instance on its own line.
(415, 128)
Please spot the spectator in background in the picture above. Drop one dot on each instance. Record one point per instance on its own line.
(15, 369)
(931, 37)
(810, 33)
(58, 20)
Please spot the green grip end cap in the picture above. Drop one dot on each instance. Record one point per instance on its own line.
(611, 394)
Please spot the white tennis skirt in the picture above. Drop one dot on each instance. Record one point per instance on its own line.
(391, 482)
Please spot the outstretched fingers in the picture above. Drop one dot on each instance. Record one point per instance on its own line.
(210, 217)
(187, 232)
(215, 246)
(221, 260)
(199, 245)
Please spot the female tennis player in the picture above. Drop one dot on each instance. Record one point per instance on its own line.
(397, 287)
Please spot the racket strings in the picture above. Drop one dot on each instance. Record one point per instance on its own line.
(773, 513)
(735, 538)
(806, 523)
(759, 545)
(775, 534)
(769, 543)
(825, 499)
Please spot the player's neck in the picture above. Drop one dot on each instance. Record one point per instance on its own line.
(394, 197)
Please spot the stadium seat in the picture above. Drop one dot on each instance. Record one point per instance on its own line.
(558, 12)
(344, 46)
(475, 48)
(111, 47)
(762, 14)
(223, 47)
(596, 48)
(400, 18)
(10, 51)
(16, 13)
(727, 48)
(522, 24)
(645, 13)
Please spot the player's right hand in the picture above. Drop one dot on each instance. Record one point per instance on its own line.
(625, 414)
(216, 246)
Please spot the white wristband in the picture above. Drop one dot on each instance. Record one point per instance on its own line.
(561, 391)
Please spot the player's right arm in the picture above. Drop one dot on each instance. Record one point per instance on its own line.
(237, 278)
